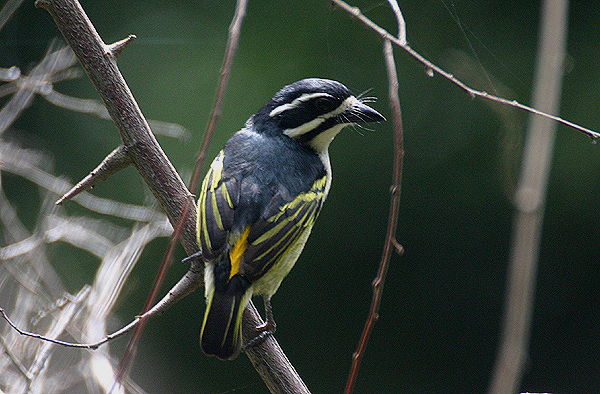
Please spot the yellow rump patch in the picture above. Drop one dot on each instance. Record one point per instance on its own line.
(236, 253)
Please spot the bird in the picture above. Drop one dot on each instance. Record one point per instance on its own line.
(259, 201)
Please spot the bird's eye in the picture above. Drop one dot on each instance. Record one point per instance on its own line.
(324, 104)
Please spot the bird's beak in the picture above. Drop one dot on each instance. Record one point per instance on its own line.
(359, 112)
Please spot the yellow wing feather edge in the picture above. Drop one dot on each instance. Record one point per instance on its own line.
(302, 212)
(213, 177)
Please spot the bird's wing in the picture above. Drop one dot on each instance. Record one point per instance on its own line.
(275, 234)
(261, 236)
(216, 207)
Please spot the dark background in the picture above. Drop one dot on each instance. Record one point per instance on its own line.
(441, 312)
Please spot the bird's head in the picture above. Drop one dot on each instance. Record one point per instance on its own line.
(312, 112)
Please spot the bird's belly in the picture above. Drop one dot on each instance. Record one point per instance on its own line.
(270, 281)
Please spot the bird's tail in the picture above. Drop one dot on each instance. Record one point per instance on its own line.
(221, 334)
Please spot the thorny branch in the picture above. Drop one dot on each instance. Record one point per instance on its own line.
(143, 151)
(141, 147)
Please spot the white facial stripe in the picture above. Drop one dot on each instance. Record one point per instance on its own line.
(296, 102)
(306, 127)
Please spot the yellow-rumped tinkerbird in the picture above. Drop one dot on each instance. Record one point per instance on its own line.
(260, 199)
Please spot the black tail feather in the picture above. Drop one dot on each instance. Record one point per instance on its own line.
(221, 334)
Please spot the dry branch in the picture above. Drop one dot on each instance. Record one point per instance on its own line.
(432, 68)
(390, 244)
(99, 61)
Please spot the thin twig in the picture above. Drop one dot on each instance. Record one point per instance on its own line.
(52, 68)
(115, 161)
(232, 44)
(58, 327)
(12, 160)
(45, 338)
(96, 108)
(391, 244)
(431, 67)
(8, 9)
(14, 359)
(399, 20)
(188, 283)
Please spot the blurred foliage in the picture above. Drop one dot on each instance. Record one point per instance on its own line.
(440, 317)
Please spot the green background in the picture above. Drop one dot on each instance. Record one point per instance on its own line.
(439, 321)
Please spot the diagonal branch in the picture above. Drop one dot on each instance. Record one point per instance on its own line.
(431, 68)
(115, 161)
(232, 44)
(99, 61)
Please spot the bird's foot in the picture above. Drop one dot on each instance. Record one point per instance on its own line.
(262, 332)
